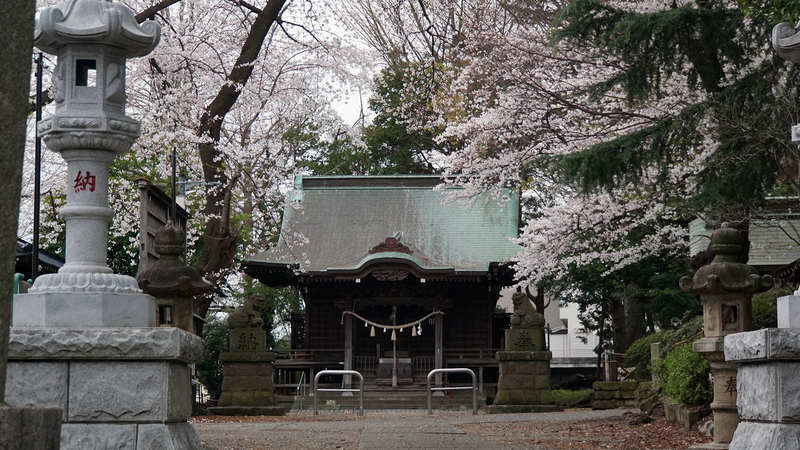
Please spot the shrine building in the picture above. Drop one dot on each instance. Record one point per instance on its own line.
(370, 252)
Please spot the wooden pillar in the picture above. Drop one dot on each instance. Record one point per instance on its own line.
(438, 358)
(348, 352)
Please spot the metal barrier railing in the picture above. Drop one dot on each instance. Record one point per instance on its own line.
(342, 372)
(462, 370)
(301, 389)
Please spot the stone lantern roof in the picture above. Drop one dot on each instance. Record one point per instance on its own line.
(725, 273)
(95, 22)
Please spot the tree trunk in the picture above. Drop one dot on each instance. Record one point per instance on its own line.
(16, 30)
(219, 242)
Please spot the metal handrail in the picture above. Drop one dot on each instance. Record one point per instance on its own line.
(341, 372)
(302, 386)
(459, 370)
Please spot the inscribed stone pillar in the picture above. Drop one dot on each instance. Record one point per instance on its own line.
(247, 388)
(524, 384)
(726, 288)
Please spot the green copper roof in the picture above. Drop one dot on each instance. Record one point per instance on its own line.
(332, 225)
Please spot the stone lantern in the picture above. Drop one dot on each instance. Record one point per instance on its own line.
(726, 288)
(89, 128)
(85, 339)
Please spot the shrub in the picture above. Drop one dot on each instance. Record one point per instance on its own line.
(638, 354)
(684, 376)
(209, 369)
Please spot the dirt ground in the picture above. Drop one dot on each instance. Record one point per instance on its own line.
(530, 432)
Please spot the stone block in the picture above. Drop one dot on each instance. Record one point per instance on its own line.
(38, 383)
(166, 343)
(628, 385)
(523, 356)
(170, 436)
(604, 395)
(766, 344)
(532, 367)
(251, 398)
(83, 436)
(605, 404)
(529, 382)
(789, 311)
(519, 409)
(523, 397)
(507, 367)
(29, 427)
(784, 343)
(83, 310)
(542, 382)
(248, 340)
(510, 382)
(715, 344)
(128, 392)
(748, 346)
(247, 357)
(766, 436)
(605, 385)
(524, 339)
(247, 369)
(247, 384)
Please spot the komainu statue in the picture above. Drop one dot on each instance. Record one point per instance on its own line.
(248, 315)
(525, 316)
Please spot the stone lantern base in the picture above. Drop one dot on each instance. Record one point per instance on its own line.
(768, 383)
(117, 387)
(524, 384)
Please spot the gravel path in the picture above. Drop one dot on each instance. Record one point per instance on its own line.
(577, 429)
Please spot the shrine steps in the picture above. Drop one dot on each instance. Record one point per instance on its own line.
(388, 398)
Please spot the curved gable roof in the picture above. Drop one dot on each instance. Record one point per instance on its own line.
(336, 225)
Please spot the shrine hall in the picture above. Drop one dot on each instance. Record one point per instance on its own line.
(392, 275)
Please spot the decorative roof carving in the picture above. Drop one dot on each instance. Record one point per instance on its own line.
(390, 274)
(95, 22)
(391, 244)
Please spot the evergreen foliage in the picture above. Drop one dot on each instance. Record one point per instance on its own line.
(747, 98)
(215, 341)
(765, 307)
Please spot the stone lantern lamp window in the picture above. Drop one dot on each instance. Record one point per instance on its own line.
(86, 72)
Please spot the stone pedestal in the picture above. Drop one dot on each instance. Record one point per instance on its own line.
(247, 385)
(768, 383)
(524, 384)
(117, 387)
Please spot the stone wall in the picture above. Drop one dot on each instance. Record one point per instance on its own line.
(117, 387)
(614, 394)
